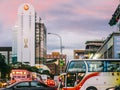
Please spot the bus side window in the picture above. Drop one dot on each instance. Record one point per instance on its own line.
(118, 67)
(113, 66)
(110, 68)
(96, 66)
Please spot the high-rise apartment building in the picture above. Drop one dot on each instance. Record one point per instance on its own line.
(30, 45)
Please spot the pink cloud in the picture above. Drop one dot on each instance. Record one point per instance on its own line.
(9, 9)
(100, 10)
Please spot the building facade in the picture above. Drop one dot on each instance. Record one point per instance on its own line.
(79, 54)
(26, 34)
(30, 45)
(91, 47)
(110, 48)
(7, 52)
(40, 42)
(53, 62)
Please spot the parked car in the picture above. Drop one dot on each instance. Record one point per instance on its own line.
(29, 85)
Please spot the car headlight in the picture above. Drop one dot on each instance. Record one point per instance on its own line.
(4, 83)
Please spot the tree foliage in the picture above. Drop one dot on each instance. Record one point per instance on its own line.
(4, 68)
(20, 65)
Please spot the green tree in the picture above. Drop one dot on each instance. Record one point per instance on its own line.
(4, 68)
(19, 65)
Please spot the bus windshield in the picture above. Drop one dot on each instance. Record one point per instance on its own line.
(76, 66)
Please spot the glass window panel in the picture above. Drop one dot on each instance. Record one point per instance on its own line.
(95, 66)
(113, 66)
(23, 84)
(77, 66)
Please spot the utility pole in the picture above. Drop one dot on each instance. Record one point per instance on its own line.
(60, 60)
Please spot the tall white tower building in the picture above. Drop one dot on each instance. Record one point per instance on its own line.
(26, 34)
(30, 30)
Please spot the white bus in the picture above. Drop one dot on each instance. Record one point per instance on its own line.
(92, 74)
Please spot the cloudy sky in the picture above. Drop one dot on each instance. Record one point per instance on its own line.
(76, 21)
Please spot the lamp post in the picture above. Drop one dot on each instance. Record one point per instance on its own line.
(60, 48)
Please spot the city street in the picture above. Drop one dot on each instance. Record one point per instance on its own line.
(60, 45)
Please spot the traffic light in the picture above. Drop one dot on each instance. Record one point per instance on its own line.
(115, 16)
(61, 62)
(113, 21)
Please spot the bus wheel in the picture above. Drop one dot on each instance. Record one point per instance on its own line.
(91, 88)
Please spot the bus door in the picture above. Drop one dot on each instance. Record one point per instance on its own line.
(75, 72)
(73, 79)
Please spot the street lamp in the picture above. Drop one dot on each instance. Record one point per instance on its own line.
(60, 48)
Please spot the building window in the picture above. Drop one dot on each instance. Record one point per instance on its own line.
(105, 55)
(110, 54)
(30, 20)
(119, 55)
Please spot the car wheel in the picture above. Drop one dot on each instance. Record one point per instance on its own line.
(91, 88)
